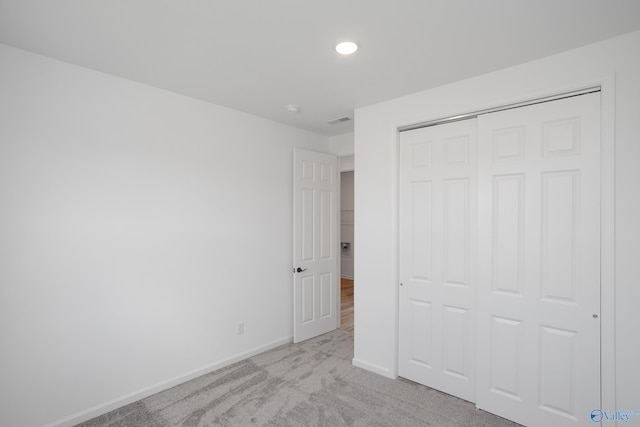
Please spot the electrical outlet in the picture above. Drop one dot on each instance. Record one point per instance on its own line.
(240, 328)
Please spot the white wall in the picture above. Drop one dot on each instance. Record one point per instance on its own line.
(347, 163)
(376, 193)
(137, 228)
(342, 145)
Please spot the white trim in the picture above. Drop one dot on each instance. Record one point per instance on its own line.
(607, 242)
(607, 221)
(371, 367)
(395, 223)
(119, 402)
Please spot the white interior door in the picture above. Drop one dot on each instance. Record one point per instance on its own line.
(315, 244)
(539, 262)
(437, 257)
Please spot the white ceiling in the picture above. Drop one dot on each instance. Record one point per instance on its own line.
(259, 56)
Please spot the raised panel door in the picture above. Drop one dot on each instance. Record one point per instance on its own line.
(437, 257)
(315, 244)
(539, 262)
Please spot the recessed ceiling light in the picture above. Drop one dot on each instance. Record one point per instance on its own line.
(292, 108)
(346, 48)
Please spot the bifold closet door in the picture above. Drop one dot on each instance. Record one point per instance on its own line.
(538, 324)
(437, 215)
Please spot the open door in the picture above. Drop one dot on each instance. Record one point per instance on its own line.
(315, 244)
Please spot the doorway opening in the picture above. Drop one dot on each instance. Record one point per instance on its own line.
(346, 245)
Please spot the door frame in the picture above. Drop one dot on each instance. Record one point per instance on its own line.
(607, 220)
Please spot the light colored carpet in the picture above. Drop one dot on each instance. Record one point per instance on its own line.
(307, 384)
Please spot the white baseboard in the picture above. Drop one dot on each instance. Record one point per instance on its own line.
(103, 408)
(373, 368)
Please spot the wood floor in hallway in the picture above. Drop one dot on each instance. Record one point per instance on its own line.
(346, 305)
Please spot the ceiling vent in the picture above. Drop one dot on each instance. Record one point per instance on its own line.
(339, 120)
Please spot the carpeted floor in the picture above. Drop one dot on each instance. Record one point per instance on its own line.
(307, 384)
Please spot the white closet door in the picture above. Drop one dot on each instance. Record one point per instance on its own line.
(539, 262)
(437, 258)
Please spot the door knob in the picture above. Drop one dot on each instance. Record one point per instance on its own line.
(300, 270)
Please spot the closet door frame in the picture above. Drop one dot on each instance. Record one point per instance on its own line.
(607, 214)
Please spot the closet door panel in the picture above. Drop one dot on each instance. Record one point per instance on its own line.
(437, 257)
(538, 336)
